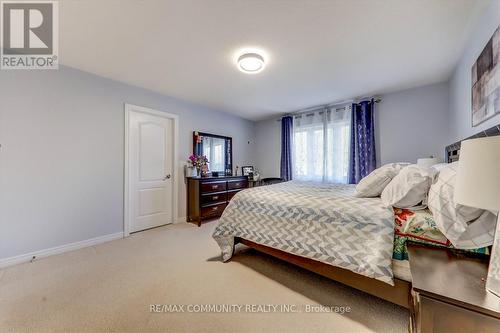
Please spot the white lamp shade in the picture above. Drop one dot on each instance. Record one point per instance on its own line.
(427, 162)
(478, 176)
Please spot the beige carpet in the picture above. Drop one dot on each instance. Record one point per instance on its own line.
(110, 287)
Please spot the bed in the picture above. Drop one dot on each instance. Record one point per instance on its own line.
(321, 227)
(325, 229)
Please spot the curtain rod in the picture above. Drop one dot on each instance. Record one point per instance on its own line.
(319, 107)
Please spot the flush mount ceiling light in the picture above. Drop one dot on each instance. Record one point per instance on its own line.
(251, 63)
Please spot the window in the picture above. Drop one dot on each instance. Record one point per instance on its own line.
(321, 143)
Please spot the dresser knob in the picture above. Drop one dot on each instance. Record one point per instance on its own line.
(216, 197)
(214, 187)
(214, 208)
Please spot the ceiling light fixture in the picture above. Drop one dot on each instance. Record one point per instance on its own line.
(251, 63)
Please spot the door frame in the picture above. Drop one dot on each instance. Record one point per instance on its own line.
(128, 200)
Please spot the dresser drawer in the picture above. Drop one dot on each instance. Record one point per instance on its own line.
(231, 194)
(208, 197)
(213, 187)
(236, 184)
(213, 211)
(436, 316)
(211, 198)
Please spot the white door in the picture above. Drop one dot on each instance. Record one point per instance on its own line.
(150, 173)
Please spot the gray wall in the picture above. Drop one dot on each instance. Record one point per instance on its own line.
(408, 124)
(412, 123)
(460, 84)
(62, 155)
(268, 147)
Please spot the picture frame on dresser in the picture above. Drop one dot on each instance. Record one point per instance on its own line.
(247, 170)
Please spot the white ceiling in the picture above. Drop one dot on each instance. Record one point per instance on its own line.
(319, 51)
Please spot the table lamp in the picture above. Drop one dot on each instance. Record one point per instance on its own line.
(478, 185)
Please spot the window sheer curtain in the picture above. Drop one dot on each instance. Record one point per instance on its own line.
(321, 144)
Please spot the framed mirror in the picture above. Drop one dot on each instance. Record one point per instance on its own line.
(217, 148)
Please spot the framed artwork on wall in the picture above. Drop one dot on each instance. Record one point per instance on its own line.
(486, 81)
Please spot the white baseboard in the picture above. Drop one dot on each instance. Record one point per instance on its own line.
(181, 219)
(6, 262)
(58, 249)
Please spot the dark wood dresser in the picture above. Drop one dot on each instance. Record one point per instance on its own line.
(207, 197)
(449, 293)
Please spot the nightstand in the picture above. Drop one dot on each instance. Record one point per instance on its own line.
(448, 292)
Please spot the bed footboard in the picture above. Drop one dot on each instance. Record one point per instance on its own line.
(399, 294)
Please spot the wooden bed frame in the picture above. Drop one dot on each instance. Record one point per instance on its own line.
(400, 293)
(452, 152)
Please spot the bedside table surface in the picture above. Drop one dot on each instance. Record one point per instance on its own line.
(457, 279)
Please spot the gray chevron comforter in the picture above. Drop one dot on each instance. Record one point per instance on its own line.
(323, 222)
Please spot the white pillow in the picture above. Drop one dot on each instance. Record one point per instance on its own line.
(409, 188)
(373, 184)
(466, 227)
(438, 167)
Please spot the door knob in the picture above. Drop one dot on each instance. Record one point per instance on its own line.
(167, 177)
